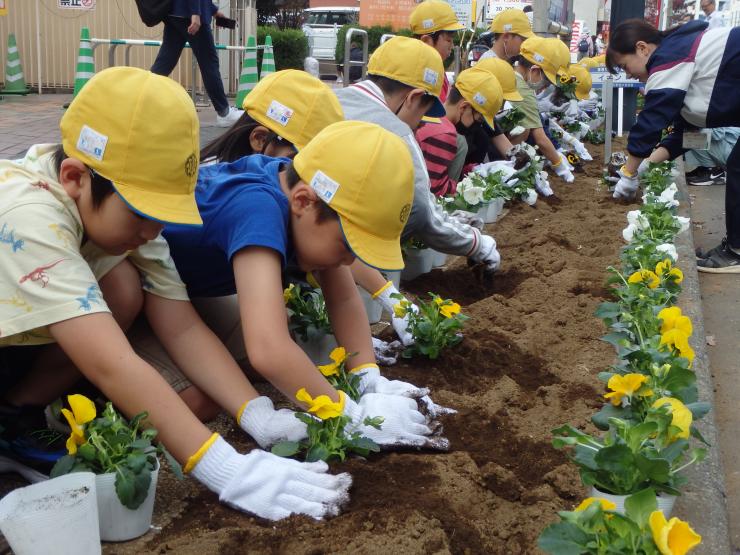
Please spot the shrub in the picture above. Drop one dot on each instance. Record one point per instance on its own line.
(373, 37)
(290, 47)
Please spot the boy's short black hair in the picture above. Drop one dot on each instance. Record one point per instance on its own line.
(454, 96)
(100, 187)
(435, 35)
(326, 212)
(391, 86)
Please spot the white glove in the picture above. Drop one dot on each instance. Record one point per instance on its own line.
(487, 253)
(564, 170)
(581, 150)
(588, 105)
(269, 426)
(403, 424)
(431, 409)
(546, 105)
(506, 167)
(626, 186)
(572, 109)
(400, 325)
(542, 184)
(269, 486)
(386, 353)
(468, 218)
(643, 167)
(372, 382)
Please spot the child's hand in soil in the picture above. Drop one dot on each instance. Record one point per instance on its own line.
(400, 325)
(403, 424)
(269, 486)
(269, 426)
(487, 253)
(386, 353)
(372, 382)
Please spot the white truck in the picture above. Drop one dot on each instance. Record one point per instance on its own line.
(321, 26)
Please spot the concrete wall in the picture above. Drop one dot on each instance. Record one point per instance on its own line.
(587, 10)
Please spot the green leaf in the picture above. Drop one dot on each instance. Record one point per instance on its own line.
(286, 448)
(615, 458)
(317, 453)
(125, 486)
(638, 506)
(87, 452)
(657, 470)
(563, 538)
(615, 338)
(601, 418)
(62, 466)
(136, 462)
(365, 443)
(699, 409)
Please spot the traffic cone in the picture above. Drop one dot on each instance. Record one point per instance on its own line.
(268, 59)
(85, 62)
(14, 81)
(248, 79)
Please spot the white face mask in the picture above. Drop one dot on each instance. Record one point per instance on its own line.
(534, 86)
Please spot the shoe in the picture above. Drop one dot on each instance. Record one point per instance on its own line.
(700, 176)
(720, 260)
(230, 118)
(718, 176)
(701, 253)
(24, 438)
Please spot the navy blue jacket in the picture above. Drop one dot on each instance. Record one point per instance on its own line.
(185, 8)
(694, 79)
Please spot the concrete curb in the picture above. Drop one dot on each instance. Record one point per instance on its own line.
(703, 501)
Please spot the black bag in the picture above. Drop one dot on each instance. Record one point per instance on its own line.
(153, 12)
(582, 46)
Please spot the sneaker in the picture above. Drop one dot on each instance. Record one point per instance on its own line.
(25, 438)
(230, 118)
(718, 176)
(701, 253)
(700, 176)
(720, 260)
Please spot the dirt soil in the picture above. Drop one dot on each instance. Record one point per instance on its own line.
(528, 363)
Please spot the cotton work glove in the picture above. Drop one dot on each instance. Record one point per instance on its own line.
(372, 382)
(563, 169)
(627, 184)
(542, 184)
(386, 353)
(266, 485)
(487, 253)
(400, 325)
(588, 105)
(643, 167)
(468, 218)
(546, 105)
(403, 424)
(581, 150)
(268, 426)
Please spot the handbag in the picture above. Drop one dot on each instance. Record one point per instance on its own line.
(153, 12)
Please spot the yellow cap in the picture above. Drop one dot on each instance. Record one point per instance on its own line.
(482, 90)
(140, 131)
(512, 21)
(432, 16)
(583, 80)
(562, 53)
(504, 73)
(298, 118)
(366, 175)
(545, 54)
(588, 63)
(413, 63)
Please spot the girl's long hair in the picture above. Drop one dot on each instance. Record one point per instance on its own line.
(233, 144)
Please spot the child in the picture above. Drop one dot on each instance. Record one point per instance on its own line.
(69, 215)
(510, 29)
(690, 75)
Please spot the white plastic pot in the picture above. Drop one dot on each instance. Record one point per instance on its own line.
(319, 348)
(495, 208)
(417, 262)
(482, 211)
(373, 308)
(117, 522)
(665, 501)
(57, 516)
(440, 259)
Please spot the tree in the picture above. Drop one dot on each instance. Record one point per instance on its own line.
(285, 14)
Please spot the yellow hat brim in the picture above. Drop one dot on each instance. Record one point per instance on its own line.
(382, 254)
(526, 34)
(581, 96)
(162, 207)
(553, 77)
(513, 96)
(457, 26)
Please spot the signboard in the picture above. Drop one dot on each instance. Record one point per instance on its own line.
(76, 4)
(575, 35)
(495, 6)
(599, 74)
(3, 7)
(463, 11)
(386, 12)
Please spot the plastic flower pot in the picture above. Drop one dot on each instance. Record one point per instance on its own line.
(483, 210)
(417, 262)
(440, 259)
(318, 348)
(495, 207)
(373, 308)
(665, 501)
(118, 522)
(57, 516)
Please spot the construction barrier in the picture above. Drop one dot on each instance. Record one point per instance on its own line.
(268, 58)
(249, 76)
(15, 83)
(85, 62)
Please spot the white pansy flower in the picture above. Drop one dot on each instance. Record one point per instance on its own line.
(683, 222)
(669, 249)
(473, 195)
(530, 197)
(629, 232)
(518, 130)
(636, 219)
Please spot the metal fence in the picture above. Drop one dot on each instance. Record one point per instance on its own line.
(48, 39)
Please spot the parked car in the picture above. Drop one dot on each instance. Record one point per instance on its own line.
(321, 26)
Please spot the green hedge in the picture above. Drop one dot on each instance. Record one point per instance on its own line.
(373, 37)
(290, 47)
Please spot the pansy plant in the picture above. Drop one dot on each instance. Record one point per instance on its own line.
(307, 314)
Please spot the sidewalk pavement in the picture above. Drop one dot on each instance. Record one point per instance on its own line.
(34, 119)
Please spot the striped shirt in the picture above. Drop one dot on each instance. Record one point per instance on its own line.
(438, 142)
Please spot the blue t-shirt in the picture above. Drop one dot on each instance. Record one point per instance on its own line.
(242, 205)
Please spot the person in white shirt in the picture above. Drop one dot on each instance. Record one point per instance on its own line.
(714, 18)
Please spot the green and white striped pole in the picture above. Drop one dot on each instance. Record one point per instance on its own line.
(14, 81)
(85, 62)
(248, 78)
(268, 59)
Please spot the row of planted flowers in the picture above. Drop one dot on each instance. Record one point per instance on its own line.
(634, 465)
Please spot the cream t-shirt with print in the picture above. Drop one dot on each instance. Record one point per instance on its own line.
(46, 274)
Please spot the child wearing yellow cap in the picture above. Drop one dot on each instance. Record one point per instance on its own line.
(510, 28)
(403, 85)
(94, 207)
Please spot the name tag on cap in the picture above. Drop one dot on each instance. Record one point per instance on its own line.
(92, 143)
(508, 27)
(697, 140)
(430, 77)
(279, 112)
(427, 23)
(324, 186)
(479, 99)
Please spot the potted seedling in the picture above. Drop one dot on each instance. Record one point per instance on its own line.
(435, 326)
(308, 321)
(417, 259)
(124, 459)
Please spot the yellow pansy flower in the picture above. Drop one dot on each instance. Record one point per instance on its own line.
(650, 279)
(678, 339)
(338, 355)
(288, 293)
(665, 268)
(605, 504)
(83, 411)
(625, 386)
(682, 416)
(672, 537)
(672, 318)
(322, 406)
(400, 308)
(449, 310)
